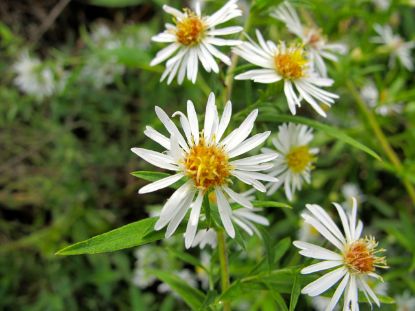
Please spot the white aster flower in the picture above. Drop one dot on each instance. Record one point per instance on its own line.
(355, 260)
(311, 37)
(289, 64)
(371, 96)
(33, 77)
(192, 39)
(205, 237)
(203, 160)
(294, 166)
(397, 47)
(405, 302)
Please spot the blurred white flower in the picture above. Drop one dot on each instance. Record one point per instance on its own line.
(398, 48)
(370, 95)
(307, 233)
(33, 77)
(382, 5)
(205, 237)
(100, 33)
(321, 303)
(202, 159)
(192, 39)
(355, 261)
(147, 257)
(352, 190)
(405, 302)
(101, 71)
(289, 64)
(312, 38)
(186, 275)
(294, 166)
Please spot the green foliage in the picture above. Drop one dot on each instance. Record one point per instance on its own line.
(65, 161)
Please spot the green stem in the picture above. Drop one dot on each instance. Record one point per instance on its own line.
(234, 62)
(223, 259)
(384, 143)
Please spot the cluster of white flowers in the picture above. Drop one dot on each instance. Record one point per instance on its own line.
(205, 160)
(34, 77)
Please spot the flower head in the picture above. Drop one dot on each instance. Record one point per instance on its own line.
(395, 45)
(205, 162)
(297, 158)
(288, 63)
(356, 258)
(312, 38)
(33, 77)
(193, 38)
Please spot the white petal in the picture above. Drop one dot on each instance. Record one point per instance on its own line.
(315, 251)
(249, 144)
(171, 127)
(169, 208)
(160, 184)
(323, 283)
(211, 116)
(193, 220)
(322, 230)
(224, 121)
(193, 121)
(238, 135)
(165, 53)
(344, 220)
(256, 159)
(156, 158)
(325, 219)
(225, 212)
(157, 137)
(238, 198)
(337, 294)
(179, 214)
(324, 265)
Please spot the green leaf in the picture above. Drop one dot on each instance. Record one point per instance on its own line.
(149, 175)
(186, 257)
(116, 3)
(270, 204)
(278, 299)
(193, 297)
(272, 116)
(210, 298)
(295, 293)
(281, 248)
(134, 234)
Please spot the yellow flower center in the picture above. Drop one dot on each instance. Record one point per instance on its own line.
(208, 166)
(290, 65)
(299, 158)
(190, 30)
(360, 256)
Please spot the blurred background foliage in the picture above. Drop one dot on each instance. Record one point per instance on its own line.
(65, 158)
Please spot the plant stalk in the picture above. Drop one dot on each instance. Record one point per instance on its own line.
(223, 260)
(377, 130)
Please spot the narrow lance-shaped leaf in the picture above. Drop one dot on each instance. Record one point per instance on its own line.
(269, 116)
(131, 235)
(191, 296)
